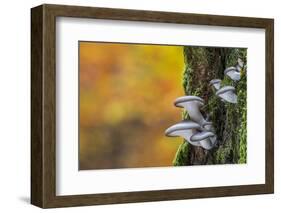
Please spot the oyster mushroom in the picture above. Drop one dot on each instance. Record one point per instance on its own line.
(184, 129)
(191, 104)
(240, 64)
(204, 139)
(227, 93)
(216, 83)
(233, 73)
(208, 126)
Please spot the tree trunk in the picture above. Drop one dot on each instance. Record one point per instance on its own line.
(229, 120)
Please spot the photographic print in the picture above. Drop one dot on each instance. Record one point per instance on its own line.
(111, 99)
(150, 105)
(151, 100)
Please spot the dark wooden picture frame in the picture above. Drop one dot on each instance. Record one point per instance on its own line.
(43, 105)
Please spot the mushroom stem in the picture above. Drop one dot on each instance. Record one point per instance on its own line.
(204, 139)
(208, 126)
(191, 104)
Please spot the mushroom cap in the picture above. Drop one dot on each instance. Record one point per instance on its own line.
(184, 99)
(227, 94)
(238, 68)
(230, 69)
(235, 75)
(233, 72)
(201, 136)
(225, 89)
(240, 63)
(215, 81)
(183, 125)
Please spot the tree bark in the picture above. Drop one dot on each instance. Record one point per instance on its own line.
(229, 120)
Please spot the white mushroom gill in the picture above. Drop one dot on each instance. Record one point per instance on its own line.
(233, 73)
(192, 105)
(204, 139)
(184, 129)
(227, 93)
(216, 83)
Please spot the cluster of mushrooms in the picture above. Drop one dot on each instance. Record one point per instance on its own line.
(227, 93)
(197, 130)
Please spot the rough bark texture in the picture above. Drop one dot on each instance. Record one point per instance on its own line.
(201, 66)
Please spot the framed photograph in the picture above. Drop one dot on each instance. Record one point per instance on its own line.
(136, 106)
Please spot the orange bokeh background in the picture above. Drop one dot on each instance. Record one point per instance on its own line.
(126, 103)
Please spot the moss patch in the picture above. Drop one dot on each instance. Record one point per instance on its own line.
(181, 156)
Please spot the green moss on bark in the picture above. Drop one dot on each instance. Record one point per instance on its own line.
(229, 120)
(181, 156)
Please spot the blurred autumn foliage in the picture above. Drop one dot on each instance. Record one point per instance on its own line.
(126, 103)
